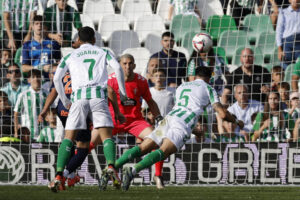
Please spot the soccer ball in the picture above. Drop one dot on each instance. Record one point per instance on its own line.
(202, 42)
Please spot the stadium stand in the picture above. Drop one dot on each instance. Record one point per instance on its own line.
(153, 42)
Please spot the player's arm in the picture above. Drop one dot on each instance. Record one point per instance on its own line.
(225, 115)
(112, 97)
(49, 101)
(154, 110)
(59, 74)
(119, 74)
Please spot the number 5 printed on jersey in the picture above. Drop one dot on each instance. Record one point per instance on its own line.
(184, 98)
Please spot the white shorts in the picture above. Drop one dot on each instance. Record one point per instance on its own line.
(96, 109)
(172, 129)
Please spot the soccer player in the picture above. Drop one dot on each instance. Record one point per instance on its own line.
(87, 67)
(137, 88)
(175, 129)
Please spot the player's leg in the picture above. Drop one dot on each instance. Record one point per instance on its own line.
(167, 148)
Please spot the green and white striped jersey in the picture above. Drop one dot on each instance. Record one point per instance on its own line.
(29, 104)
(19, 13)
(47, 134)
(270, 135)
(183, 6)
(191, 99)
(88, 70)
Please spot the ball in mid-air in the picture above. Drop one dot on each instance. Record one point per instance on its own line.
(202, 42)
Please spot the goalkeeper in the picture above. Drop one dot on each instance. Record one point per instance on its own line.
(175, 129)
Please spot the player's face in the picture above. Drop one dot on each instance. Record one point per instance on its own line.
(273, 101)
(37, 27)
(61, 4)
(127, 66)
(153, 64)
(247, 58)
(167, 43)
(241, 95)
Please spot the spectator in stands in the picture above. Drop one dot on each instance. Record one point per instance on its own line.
(29, 105)
(277, 77)
(273, 124)
(39, 52)
(5, 62)
(255, 77)
(6, 120)
(15, 86)
(153, 63)
(46, 86)
(212, 61)
(59, 20)
(240, 8)
(148, 116)
(243, 109)
(295, 77)
(162, 95)
(47, 134)
(288, 33)
(284, 92)
(294, 106)
(16, 17)
(183, 7)
(172, 61)
(200, 132)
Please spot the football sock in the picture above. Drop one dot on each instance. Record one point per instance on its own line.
(158, 168)
(71, 175)
(66, 173)
(149, 160)
(77, 160)
(127, 156)
(64, 153)
(109, 150)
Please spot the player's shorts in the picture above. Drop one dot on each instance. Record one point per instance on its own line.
(170, 128)
(94, 109)
(134, 127)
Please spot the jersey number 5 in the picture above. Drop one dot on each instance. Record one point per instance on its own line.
(184, 99)
(91, 67)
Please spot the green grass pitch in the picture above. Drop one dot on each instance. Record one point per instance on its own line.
(150, 192)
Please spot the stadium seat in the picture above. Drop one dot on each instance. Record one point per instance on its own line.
(181, 24)
(231, 40)
(133, 9)
(153, 43)
(215, 25)
(110, 23)
(87, 21)
(274, 58)
(71, 3)
(146, 24)
(122, 40)
(184, 51)
(267, 43)
(141, 56)
(187, 40)
(99, 41)
(97, 8)
(254, 25)
(258, 56)
(288, 73)
(220, 52)
(163, 9)
(269, 67)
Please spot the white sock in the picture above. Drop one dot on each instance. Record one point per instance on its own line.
(133, 171)
(66, 173)
(72, 175)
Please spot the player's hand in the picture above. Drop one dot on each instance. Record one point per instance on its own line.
(58, 38)
(281, 54)
(120, 117)
(42, 116)
(11, 44)
(128, 102)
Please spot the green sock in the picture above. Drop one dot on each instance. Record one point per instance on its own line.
(127, 156)
(149, 160)
(109, 149)
(64, 153)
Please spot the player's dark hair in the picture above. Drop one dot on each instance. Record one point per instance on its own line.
(35, 72)
(127, 55)
(38, 18)
(167, 34)
(86, 34)
(203, 71)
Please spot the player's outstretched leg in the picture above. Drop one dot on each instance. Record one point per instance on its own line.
(64, 153)
(158, 179)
